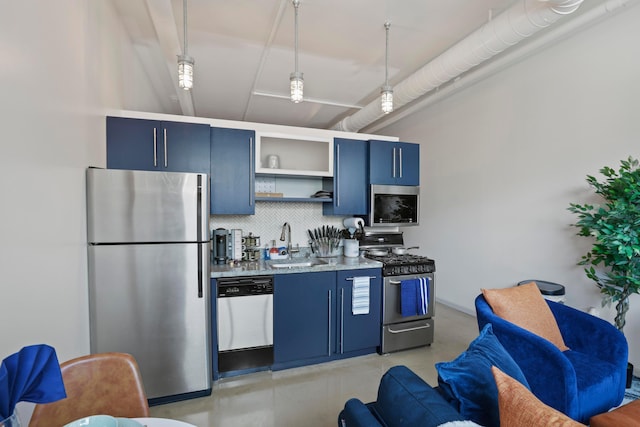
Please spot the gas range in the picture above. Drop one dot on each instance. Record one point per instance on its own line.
(402, 330)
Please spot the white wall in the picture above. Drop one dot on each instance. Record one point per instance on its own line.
(502, 160)
(59, 71)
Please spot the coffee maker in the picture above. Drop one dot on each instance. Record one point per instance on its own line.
(219, 246)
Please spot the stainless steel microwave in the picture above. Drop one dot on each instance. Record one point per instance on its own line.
(394, 205)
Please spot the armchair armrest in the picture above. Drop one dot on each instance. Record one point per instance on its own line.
(590, 335)
(357, 414)
(549, 373)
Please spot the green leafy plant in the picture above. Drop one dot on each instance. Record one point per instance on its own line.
(615, 226)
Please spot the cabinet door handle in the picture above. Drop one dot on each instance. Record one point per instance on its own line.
(252, 177)
(342, 321)
(329, 328)
(155, 147)
(400, 156)
(394, 162)
(337, 177)
(165, 148)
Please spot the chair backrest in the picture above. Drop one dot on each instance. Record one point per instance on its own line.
(105, 383)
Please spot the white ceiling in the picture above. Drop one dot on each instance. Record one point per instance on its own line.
(243, 51)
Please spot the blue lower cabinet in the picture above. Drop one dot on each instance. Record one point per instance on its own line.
(314, 320)
(359, 332)
(303, 316)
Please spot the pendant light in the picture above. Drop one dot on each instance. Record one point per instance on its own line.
(386, 98)
(296, 80)
(185, 62)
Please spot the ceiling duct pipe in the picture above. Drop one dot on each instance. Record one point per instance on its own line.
(584, 20)
(517, 23)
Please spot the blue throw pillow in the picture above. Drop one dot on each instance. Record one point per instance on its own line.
(468, 382)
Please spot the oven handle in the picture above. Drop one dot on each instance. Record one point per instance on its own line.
(397, 282)
(417, 328)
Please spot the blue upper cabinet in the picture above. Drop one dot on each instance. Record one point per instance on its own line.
(232, 171)
(350, 178)
(157, 145)
(394, 163)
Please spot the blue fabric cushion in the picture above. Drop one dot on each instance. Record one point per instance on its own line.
(468, 381)
(595, 378)
(404, 399)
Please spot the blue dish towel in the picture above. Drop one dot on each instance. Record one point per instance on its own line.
(360, 298)
(30, 375)
(408, 303)
(423, 296)
(414, 297)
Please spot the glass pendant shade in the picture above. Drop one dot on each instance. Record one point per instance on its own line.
(185, 72)
(386, 99)
(297, 87)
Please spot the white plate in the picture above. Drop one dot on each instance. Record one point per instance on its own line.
(162, 422)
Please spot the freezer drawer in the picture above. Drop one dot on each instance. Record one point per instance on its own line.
(401, 336)
(152, 301)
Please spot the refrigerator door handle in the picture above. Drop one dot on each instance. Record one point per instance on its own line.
(200, 271)
(199, 207)
(199, 231)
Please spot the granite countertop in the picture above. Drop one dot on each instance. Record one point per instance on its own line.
(257, 268)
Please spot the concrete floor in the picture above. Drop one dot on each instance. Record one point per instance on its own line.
(313, 396)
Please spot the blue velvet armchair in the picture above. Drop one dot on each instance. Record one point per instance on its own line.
(581, 382)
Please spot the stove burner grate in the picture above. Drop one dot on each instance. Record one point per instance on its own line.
(397, 265)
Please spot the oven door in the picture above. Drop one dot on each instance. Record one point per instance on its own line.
(391, 299)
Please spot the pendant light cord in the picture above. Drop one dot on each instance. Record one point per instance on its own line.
(296, 3)
(184, 18)
(386, 55)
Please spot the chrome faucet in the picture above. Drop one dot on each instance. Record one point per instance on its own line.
(286, 229)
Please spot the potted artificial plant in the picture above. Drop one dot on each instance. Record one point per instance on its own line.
(615, 226)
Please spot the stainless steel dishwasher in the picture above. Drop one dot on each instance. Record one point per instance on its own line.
(245, 323)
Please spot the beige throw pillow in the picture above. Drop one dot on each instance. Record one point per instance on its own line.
(525, 306)
(520, 408)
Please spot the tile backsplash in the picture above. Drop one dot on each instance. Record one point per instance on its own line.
(270, 216)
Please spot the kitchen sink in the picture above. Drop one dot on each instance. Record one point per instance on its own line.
(293, 263)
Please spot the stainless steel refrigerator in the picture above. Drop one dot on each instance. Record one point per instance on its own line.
(149, 275)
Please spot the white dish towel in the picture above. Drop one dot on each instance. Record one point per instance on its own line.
(360, 295)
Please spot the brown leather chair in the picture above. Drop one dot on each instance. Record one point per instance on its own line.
(106, 383)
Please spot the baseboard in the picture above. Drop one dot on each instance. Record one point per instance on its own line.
(456, 307)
